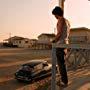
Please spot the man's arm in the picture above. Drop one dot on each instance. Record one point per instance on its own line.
(59, 30)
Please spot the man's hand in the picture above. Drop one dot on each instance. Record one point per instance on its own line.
(53, 41)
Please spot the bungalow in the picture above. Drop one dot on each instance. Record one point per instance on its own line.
(18, 41)
(80, 35)
(77, 35)
(45, 38)
(32, 42)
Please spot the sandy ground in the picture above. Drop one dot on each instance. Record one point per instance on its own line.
(11, 60)
(78, 80)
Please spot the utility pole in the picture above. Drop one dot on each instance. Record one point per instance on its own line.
(9, 35)
(61, 4)
(9, 38)
(53, 80)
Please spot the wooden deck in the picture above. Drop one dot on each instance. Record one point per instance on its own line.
(78, 79)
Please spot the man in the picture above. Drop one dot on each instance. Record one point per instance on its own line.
(63, 30)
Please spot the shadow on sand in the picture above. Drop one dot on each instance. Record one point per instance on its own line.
(13, 84)
(80, 79)
(79, 82)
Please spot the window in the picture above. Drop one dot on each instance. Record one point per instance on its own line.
(19, 41)
(26, 41)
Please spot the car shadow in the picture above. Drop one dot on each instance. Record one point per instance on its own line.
(11, 84)
(41, 78)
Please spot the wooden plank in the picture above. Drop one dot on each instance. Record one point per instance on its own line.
(53, 80)
(74, 46)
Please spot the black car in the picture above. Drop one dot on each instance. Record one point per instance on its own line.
(33, 70)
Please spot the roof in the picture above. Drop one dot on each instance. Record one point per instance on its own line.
(80, 28)
(33, 39)
(34, 62)
(15, 38)
(46, 34)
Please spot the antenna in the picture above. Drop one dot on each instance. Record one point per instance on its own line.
(10, 38)
(9, 35)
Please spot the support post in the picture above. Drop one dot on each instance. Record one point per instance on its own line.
(61, 4)
(53, 80)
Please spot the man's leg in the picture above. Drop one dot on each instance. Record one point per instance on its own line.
(61, 64)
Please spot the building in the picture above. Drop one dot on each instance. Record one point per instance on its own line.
(18, 41)
(45, 38)
(33, 42)
(44, 41)
(77, 35)
(1, 44)
(80, 35)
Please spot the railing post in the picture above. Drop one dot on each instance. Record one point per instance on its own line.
(53, 80)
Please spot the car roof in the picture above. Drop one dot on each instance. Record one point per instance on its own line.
(33, 63)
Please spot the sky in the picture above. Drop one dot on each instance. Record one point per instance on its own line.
(30, 18)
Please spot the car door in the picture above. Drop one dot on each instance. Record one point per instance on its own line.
(37, 70)
(46, 70)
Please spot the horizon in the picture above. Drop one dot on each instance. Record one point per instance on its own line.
(42, 33)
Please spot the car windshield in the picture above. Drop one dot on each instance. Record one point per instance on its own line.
(24, 73)
(27, 68)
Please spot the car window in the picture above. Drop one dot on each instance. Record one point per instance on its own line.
(27, 68)
(45, 64)
(38, 67)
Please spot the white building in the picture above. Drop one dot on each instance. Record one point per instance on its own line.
(19, 41)
(45, 38)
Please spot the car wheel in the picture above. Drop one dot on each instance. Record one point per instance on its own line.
(19, 80)
(30, 81)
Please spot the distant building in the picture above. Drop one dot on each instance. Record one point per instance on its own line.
(18, 41)
(77, 35)
(80, 35)
(32, 42)
(45, 38)
(44, 41)
(1, 44)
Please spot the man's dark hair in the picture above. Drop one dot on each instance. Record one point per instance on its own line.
(57, 11)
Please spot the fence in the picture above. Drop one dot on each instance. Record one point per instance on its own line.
(77, 56)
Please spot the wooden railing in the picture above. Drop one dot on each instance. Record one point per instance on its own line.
(78, 55)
